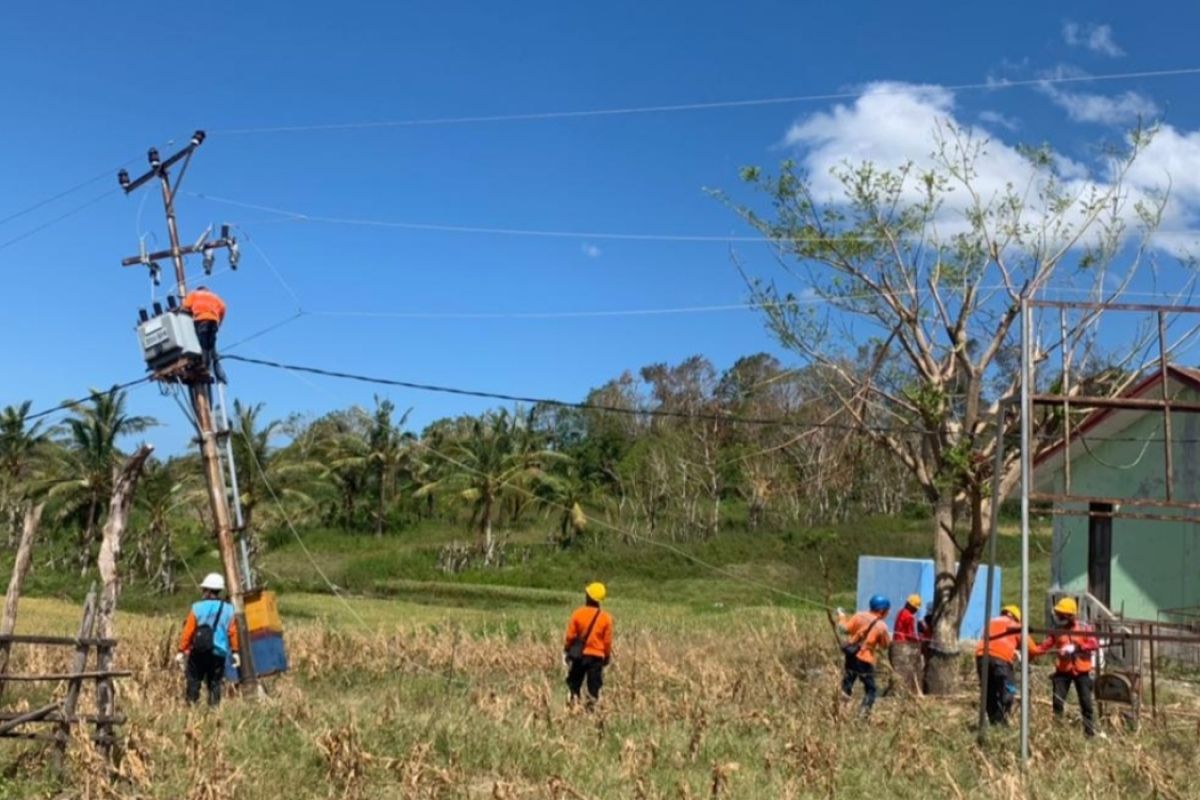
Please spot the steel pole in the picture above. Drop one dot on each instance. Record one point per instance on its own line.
(984, 671)
(1026, 479)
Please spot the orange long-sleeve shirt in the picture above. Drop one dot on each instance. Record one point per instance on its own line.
(204, 306)
(1078, 662)
(189, 631)
(599, 643)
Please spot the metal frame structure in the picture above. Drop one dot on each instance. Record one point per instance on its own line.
(1031, 398)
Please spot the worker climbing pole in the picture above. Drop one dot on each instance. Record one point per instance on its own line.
(177, 357)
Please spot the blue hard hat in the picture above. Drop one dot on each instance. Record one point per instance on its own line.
(879, 603)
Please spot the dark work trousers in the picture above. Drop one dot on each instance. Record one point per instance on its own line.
(207, 668)
(206, 333)
(999, 699)
(1083, 687)
(591, 668)
(857, 669)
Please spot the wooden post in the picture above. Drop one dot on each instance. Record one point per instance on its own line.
(33, 518)
(110, 592)
(78, 665)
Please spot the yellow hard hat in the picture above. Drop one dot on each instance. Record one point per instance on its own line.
(1067, 607)
(914, 600)
(596, 591)
(1012, 611)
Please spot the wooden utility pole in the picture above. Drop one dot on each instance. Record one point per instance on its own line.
(196, 377)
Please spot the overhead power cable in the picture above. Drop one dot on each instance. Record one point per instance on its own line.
(65, 215)
(512, 398)
(107, 174)
(69, 404)
(754, 102)
(297, 216)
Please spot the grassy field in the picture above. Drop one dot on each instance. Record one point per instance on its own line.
(435, 688)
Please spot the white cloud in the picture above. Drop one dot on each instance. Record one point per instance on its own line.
(998, 120)
(1097, 38)
(892, 124)
(1119, 109)
(591, 250)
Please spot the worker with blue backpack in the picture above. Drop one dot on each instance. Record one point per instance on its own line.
(209, 637)
(866, 634)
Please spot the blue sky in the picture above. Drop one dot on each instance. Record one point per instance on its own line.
(89, 86)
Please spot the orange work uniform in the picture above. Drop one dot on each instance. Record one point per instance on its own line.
(1078, 662)
(1004, 635)
(868, 641)
(599, 643)
(204, 306)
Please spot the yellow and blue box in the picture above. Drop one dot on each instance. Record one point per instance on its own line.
(266, 635)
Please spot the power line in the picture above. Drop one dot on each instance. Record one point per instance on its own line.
(58, 219)
(628, 533)
(991, 85)
(69, 404)
(497, 231)
(108, 173)
(425, 387)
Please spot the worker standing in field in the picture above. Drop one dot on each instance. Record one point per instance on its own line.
(866, 632)
(907, 654)
(208, 312)
(1003, 648)
(587, 648)
(1076, 646)
(209, 636)
(906, 627)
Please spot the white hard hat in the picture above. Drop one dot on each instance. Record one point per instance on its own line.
(214, 581)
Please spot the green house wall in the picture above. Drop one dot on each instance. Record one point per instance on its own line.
(1155, 564)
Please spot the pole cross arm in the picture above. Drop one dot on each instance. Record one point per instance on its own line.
(157, 167)
(227, 242)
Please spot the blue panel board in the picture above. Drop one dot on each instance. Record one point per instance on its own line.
(897, 578)
(270, 656)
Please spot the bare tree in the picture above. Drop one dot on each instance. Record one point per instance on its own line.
(926, 268)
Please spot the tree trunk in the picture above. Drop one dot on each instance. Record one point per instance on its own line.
(941, 670)
(33, 518)
(110, 554)
(379, 515)
(114, 529)
(86, 536)
(489, 540)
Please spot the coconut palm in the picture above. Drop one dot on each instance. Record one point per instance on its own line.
(90, 459)
(491, 462)
(162, 490)
(267, 473)
(386, 452)
(24, 452)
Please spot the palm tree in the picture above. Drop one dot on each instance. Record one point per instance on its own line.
(565, 492)
(386, 451)
(488, 464)
(24, 452)
(161, 491)
(90, 460)
(266, 472)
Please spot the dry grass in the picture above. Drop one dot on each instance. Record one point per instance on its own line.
(736, 705)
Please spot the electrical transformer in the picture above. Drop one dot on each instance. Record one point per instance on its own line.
(167, 338)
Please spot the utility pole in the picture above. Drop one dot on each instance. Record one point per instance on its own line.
(193, 374)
